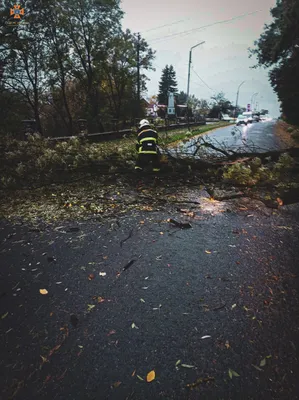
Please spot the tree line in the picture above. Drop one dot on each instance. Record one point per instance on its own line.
(214, 107)
(64, 61)
(69, 60)
(278, 49)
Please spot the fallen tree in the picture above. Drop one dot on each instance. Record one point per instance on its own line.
(38, 163)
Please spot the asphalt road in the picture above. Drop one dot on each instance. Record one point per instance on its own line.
(258, 136)
(214, 306)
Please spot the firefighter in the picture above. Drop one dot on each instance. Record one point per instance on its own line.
(147, 147)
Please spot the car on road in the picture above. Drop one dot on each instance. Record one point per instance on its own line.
(242, 120)
(226, 118)
(256, 118)
(248, 115)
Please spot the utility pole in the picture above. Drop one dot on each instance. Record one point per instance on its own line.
(138, 76)
(237, 98)
(251, 102)
(188, 85)
(190, 61)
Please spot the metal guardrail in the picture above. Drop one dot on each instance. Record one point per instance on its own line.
(96, 137)
(114, 135)
(213, 120)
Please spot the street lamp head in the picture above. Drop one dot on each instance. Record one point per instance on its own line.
(241, 84)
(198, 44)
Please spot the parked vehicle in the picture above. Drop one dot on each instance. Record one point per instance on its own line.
(241, 120)
(226, 118)
(256, 118)
(248, 115)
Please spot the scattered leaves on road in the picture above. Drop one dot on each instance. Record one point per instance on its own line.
(43, 291)
(57, 347)
(208, 252)
(134, 326)
(232, 373)
(142, 300)
(279, 201)
(102, 273)
(139, 377)
(263, 362)
(187, 366)
(116, 384)
(199, 381)
(150, 376)
(205, 337)
(91, 277)
(233, 306)
(256, 367)
(90, 307)
(99, 299)
(4, 315)
(44, 359)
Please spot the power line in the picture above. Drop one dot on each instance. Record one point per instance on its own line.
(178, 76)
(163, 26)
(203, 80)
(188, 32)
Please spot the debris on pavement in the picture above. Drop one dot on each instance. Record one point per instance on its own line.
(181, 225)
(151, 376)
(128, 265)
(232, 373)
(200, 381)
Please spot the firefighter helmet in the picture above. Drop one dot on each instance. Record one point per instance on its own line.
(143, 122)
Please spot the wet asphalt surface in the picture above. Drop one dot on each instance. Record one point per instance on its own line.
(212, 309)
(258, 136)
(214, 306)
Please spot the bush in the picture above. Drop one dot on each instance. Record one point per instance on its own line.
(255, 172)
(239, 173)
(38, 159)
(285, 162)
(295, 135)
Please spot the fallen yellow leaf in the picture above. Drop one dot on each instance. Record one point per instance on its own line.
(44, 359)
(208, 252)
(150, 376)
(279, 201)
(43, 291)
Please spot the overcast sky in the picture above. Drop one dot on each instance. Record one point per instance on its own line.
(222, 61)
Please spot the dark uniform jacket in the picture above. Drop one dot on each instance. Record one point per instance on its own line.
(147, 141)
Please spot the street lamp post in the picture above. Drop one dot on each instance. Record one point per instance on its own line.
(237, 98)
(190, 60)
(251, 101)
(188, 85)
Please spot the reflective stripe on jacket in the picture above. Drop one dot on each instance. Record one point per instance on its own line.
(147, 141)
